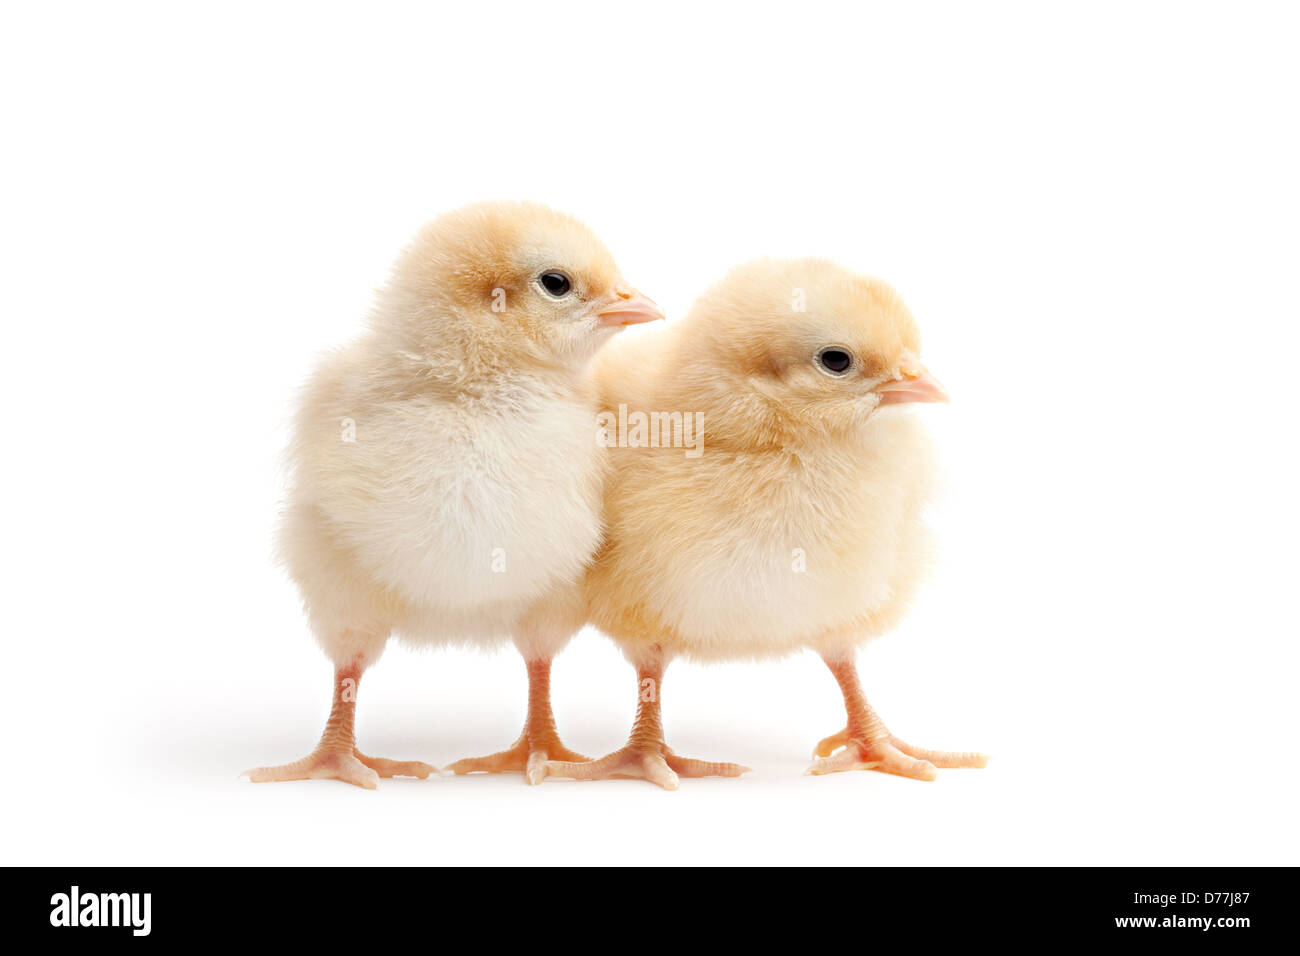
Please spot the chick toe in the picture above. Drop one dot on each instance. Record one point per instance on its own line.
(396, 768)
(947, 759)
(828, 745)
(690, 767)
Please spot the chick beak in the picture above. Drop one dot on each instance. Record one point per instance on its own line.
(628, 308)
(916, 385)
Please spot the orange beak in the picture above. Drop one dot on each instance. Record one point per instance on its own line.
(630, 308)
(916, 385)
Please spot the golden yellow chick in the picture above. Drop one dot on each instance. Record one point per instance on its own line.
(445, 486)
(767, 496)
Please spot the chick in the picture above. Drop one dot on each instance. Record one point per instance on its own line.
(445, 484)
(795, 523)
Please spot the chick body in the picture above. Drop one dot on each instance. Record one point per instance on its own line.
(446, 486)
(801, 523)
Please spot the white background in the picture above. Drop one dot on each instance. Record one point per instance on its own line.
(1092, 211)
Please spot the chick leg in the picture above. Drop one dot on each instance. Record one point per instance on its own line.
(539, 741)
(336, 756)
(868, 744)
(646, 756)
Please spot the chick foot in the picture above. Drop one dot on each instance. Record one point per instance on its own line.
(336, 757)
(656, 763)
(526, 755)
(890, 755)
(646, 756)
(539, 742)
(867, 745)
(945, 759)
(334, 764)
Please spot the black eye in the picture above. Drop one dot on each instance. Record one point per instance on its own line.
(555, 283)
(836, 361)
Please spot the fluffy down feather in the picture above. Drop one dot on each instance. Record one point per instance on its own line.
(446, 486)
(801, 523)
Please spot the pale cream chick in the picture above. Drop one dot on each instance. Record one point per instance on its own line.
(446, 487)
(799, 525)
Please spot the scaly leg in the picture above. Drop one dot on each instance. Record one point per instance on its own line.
(646, 756)
(539, 741)
(336, 756)
(868, 744)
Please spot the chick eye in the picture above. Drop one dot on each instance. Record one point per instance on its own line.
(556, 284)
(835, 360)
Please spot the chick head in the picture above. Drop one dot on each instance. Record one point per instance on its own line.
(523, 280)
(784, 348)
